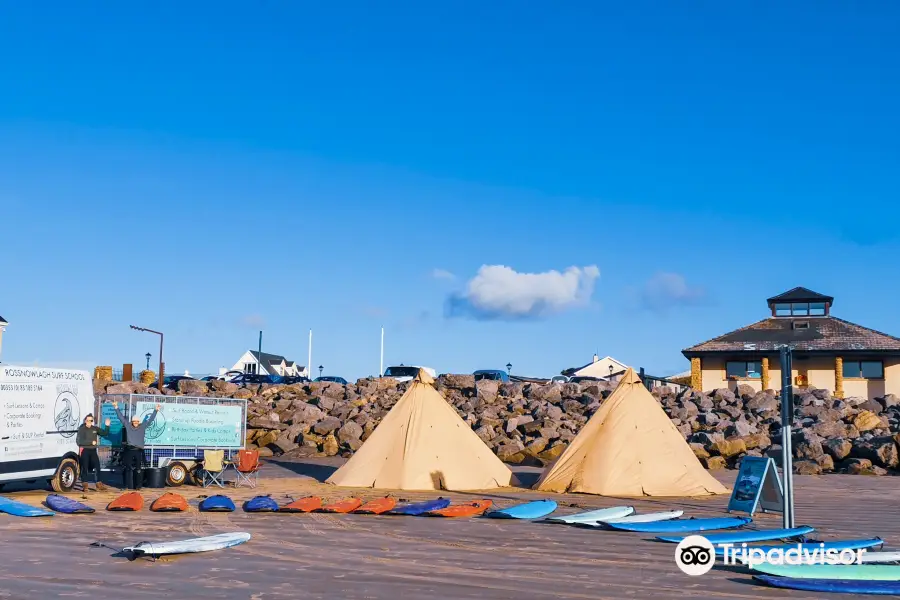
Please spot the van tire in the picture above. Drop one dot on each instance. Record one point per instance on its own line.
(177, 474)
(66, 476)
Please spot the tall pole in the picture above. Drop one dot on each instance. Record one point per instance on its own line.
(381, 365)
(162, 367)
(787, 452)
(259, 356)
(309, 358)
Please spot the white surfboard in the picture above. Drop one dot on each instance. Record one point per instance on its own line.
(594, 515)
(646, 517)
(200, 544)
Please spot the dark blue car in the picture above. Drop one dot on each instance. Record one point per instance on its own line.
(332, 379)
(493, 374)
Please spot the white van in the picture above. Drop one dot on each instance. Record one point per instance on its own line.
(404, 373)
(41, 412)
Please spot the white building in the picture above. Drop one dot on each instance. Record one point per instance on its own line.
(268, 364)
(607, 368)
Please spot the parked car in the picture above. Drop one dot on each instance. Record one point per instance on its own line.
(404, 373)
(559, 379)
(171, 381)
(292, 379)
(332, 379)
(586, 379)
(492, 374)
(254, 379)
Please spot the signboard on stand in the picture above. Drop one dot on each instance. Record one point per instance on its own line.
(757, 486)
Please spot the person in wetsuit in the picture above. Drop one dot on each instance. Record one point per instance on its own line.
(133, 433)
(87, 438)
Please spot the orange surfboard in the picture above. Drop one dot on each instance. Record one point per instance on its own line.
(376, 507)
(469, 509)
(342, 506)
(127, 501)
(303, 505)
(169, 502)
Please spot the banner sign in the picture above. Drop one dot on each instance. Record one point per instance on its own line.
(200, 425)
(757, 485)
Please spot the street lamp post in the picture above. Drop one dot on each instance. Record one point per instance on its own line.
(320, 371)
(147, 356)
(509, 368)
(610, 372)
(159, 382)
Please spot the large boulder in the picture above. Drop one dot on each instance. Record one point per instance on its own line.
(326, 426)
(306, 413)
(350, 431)
(487, 390)
(837, 448)
(882, 451)
(807, 467)
(866, 421)
(729, 448)
(460, 382)
(807, 445)
(551, 393)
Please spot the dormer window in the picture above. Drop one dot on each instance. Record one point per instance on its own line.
(801, 324)
(800, 309)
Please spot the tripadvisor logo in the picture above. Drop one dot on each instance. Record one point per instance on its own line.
(695, 555)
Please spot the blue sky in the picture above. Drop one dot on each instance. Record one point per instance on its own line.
(210, 169)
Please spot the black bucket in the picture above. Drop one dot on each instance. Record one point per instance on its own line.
(155, 477)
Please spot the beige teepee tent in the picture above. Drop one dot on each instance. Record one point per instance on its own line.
(629, 448)
(423, 444)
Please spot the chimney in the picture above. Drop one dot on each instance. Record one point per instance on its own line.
(596, 358)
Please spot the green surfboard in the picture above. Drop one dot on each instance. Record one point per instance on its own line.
(870, 572)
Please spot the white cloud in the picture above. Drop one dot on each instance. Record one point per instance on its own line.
(665, 290)
(499, 292)
(442, 274)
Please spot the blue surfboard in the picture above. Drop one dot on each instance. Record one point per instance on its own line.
(420, 508)
(528, 510)
(67, 505)
(737, 537)
(682, 525)
(840, 586)
(20, 509)
(811, 546)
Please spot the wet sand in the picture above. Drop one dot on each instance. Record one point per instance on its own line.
(375, 557)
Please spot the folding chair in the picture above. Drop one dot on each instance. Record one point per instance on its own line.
(213, 470)
(247, 468)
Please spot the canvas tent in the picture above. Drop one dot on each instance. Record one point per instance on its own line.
(629, 448)
(423, 444)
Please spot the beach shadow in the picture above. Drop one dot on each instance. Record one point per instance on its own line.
(527, 479)
(315, 471)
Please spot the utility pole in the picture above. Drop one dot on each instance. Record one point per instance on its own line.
(259, 356)
(381, 367)
(787, 420)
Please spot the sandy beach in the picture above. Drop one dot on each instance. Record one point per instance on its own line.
(358, 556)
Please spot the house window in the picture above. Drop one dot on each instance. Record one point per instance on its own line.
(743, 369)
(782, 310)
(863, 369)
(817, 309)
(250, 368)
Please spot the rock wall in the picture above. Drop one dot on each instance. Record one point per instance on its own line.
(533, 424)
